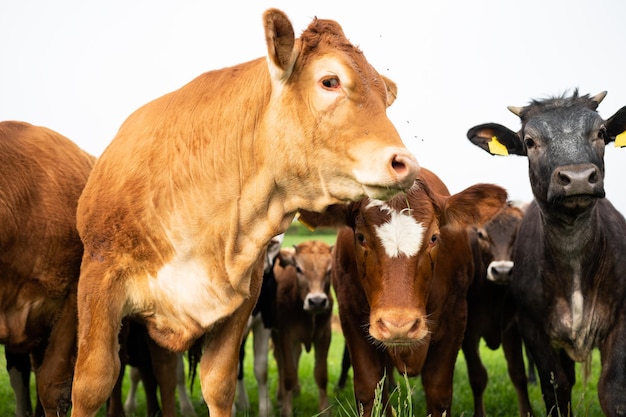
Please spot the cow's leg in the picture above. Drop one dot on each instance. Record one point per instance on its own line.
(18, 367)
(261, 338)
(284, 352)
(164, 364)
(322, 344)
(476, 371)
(186, 407)
(514, 354)
(114, 402)
(218, 365)
(242, 400)
(54, 375)
(612, 382)
(99, 322)
(345, 367)
(134, 378)
(437, 377)
(555, 379)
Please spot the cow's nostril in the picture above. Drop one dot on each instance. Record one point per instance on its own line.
(564, 178)
(398, 166)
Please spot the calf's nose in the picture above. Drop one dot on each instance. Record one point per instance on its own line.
(316, 302)
(500, 272)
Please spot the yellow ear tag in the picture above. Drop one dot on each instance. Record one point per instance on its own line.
(497, 148)
(620, 140)
(305, 224)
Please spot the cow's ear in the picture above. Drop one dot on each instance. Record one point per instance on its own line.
(616, 128)
(281, 43)
(286, 257)
(335, 216)
(392, 90)
(496, 139)
(474, 205)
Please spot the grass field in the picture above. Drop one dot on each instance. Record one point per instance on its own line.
(500, 399)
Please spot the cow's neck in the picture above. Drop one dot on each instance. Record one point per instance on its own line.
(569, 237)
(262, 211)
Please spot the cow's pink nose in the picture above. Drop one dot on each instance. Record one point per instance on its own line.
(398, 330)
(405, 168)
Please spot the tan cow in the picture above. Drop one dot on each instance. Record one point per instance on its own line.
(42, 174)
(180, 206)
(303, 309)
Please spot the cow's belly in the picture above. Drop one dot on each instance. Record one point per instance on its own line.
(182, 302)
(26, 316)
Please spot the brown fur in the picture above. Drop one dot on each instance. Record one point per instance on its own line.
(407, 311)
(197, 182)
(42, 174)
(302, 272)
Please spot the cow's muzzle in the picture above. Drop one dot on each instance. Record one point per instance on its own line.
(398, 327)
(316, 303)
(576, 186)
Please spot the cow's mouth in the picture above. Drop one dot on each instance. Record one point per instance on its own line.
(577, 202)
(381, 193)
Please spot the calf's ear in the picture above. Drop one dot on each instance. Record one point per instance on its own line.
(474, 205)
(616, 128)
(496, 139)
(286, 257)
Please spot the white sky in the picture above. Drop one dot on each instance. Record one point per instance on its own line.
(81, 67)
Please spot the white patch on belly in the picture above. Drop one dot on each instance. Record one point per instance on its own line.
(401, 234)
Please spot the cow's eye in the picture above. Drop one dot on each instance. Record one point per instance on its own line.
(361, 238)
(530, 142)
(433, 239)
(298, 269)
(602, 134)
(331, 83)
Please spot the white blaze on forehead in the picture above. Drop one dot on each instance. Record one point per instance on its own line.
(401, 234)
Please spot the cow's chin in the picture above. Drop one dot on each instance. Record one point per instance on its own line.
(381, 193)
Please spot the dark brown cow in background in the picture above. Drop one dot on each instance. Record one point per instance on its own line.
(42, 174)
(569, 279)
(179, 208)
(401, 273)
(303, 310)
(491, 310)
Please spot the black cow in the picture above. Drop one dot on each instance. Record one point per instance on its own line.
(569, 280)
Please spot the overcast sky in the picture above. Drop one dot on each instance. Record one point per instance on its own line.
(81, 67)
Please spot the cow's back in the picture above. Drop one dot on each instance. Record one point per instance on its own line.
(41, 177)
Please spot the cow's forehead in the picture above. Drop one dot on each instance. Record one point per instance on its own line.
(396, 227)
(572, 121)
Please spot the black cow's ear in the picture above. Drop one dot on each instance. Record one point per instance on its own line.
(496, 139)
(616, 128)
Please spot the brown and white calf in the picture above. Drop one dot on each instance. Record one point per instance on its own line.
(491, 311)
(303, 311)
(42, 174)
(401, 273)
(569, 279)
(181, 205)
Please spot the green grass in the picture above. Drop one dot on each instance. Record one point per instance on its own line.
(500, 398)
